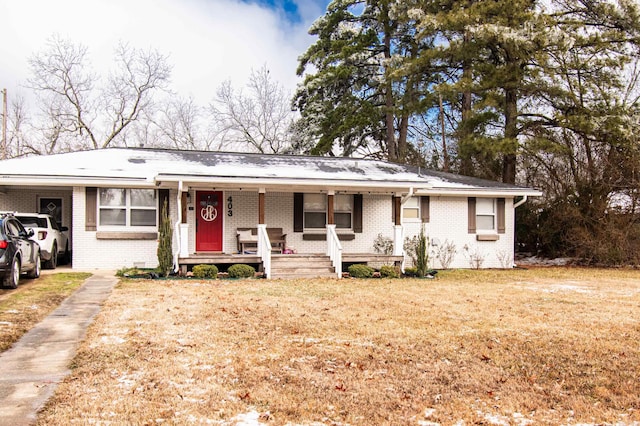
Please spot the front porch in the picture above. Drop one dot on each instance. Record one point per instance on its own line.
(300, 265)
(219, 227)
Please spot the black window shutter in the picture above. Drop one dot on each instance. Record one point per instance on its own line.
(424, 208)
(298, 212)
(163, 195)
(357, 213)
(500, 216)
(472, 215)
(91, 209)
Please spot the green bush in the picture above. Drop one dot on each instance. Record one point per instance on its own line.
(361, 271)
(241, 271)
(411, 271)
(126, 272)
(205, 271)
(388, 271)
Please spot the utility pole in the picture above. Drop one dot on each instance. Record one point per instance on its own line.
(4, 124)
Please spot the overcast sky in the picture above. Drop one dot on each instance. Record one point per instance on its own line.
(207, 41)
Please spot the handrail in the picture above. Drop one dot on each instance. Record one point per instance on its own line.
(264, 249)
(334, 249)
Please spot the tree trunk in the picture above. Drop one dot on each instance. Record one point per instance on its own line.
(392, 147)
(464, 153)
(511, 135)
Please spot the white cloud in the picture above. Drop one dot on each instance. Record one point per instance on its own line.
(207, 41)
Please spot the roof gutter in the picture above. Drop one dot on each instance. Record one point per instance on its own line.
(486, 192)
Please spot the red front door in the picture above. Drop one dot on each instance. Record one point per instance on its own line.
(209, 213)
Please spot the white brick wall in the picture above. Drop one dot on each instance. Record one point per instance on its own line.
(91, 253)
(448, 222)
(279, 214)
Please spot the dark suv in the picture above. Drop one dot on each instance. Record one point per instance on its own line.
(18, 253)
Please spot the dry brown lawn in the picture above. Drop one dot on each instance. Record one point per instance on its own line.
(518, 347)
(32, 301)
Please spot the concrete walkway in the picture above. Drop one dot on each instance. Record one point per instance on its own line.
(32, 368)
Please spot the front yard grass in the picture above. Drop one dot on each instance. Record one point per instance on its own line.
(537, 346)
(32, 301)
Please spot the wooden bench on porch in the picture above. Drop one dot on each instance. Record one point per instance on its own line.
(248, 239)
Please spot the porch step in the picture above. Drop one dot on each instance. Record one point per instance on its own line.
(302, 266)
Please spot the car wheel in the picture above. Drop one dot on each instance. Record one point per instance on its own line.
(13, 277)
(66, 257)
(35, 272)
(52, 263)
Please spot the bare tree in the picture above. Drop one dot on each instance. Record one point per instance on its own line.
(260, 117)
(178, 123)
(77, 113)
(18, 142)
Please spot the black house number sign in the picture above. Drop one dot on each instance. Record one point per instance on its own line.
(229, 206)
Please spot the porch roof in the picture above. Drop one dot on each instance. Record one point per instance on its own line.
(148, 167)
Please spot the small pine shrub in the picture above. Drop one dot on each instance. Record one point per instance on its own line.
(205, 271)
(241, 271)
(388, 271)
(165, 235)
(361, 271)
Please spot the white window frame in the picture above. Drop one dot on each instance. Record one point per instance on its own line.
(412, 204)
(482, 211)
(128, 208)
(321, 209)
(337, 204)
(337, 208)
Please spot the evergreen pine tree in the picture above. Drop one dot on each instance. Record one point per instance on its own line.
(165, 255)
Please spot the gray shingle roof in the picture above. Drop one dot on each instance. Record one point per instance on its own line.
(159, 166)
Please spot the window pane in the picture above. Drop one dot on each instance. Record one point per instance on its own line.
(485, 222)
(412, 203)
(315, 202)
(143, 197)
(12, 229)
(343, 220)
(112, 197)
(31, 221)
(410, 213)
(484, 206)
(143, 218)
(315, 220)
(343, 203)
(113, 217)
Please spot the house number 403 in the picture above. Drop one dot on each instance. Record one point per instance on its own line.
(229, 206)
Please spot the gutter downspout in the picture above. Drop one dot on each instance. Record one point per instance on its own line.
(398, 231)
(406, 197)
(521, 202)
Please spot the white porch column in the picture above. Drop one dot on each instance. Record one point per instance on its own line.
(184, 240)
(398, 242)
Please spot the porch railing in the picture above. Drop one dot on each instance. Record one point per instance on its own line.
(334, 249)
(264, 249)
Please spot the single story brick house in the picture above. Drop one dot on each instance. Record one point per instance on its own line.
(316, 208)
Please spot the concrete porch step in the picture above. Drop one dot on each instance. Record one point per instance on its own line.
(302, 266)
